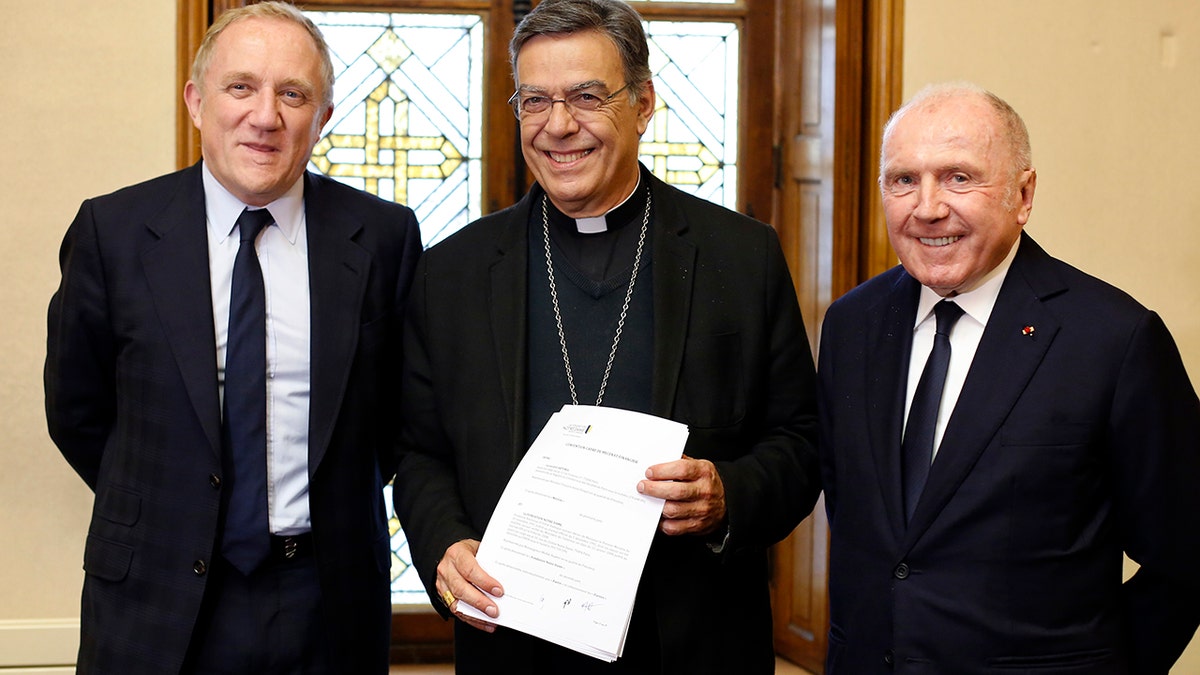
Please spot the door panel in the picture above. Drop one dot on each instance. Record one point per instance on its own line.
(805, 221)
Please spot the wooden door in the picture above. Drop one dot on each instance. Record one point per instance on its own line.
(837, 79)
(805, 72)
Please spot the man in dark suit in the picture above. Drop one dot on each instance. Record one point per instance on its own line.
(605, 285)
(192, 564)
(1066, 433)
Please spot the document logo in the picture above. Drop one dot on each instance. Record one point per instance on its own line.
(577, 429)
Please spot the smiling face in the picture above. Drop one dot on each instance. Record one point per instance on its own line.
(586, 161)
(259, 107)
(954, 199)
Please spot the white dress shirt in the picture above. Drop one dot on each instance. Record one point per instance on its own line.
(283, 256)
(977, 305)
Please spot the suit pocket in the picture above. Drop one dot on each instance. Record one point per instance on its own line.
(106, 559)
(373, 331)
(1069, 662)
(1047, 435)
(117, 505)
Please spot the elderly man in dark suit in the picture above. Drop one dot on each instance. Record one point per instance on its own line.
(997, 428)
(228, 391)
(604, 285)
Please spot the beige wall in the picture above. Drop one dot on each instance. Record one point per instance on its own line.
(1113, 109)
(87, 91)
(88, 96)
(1110, 91)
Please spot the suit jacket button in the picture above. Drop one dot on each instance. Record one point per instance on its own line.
(200, 568)
(888, 657)
(214, 480)
(901, 571)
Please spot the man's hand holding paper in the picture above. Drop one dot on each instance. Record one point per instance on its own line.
(571, 533)
(459, 578)
(694, 494)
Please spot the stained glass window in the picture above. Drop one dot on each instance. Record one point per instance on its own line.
(406, 585)
(407, 117)
(692, 140)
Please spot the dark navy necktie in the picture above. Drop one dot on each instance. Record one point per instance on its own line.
(246, 539)
(916, 451)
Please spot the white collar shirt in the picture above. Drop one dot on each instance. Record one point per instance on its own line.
(283, 257)
(977, 305)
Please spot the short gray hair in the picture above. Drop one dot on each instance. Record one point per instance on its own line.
(613, 18)
(1015, 132)
(265, 10)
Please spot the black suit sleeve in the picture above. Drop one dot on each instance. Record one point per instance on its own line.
(773, 486)
(1155, 432)
(80, 364)
(426, 496)
(410, 253)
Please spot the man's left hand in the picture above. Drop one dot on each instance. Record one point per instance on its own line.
(694, 493)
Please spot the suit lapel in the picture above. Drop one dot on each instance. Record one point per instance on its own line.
(338, 270)
(889, 341)
(508, 294)
(1004, 363)
(176, 268)
(674, 259)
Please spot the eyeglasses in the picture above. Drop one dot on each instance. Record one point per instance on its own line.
(583, 101)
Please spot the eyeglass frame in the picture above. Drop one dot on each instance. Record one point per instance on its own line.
(514, 102)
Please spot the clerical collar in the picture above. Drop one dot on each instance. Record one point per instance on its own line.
(615, 218)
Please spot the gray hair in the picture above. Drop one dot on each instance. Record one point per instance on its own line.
(1015, 132)
(613, 18)
(265, 10)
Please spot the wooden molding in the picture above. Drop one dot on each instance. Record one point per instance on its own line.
(884, 53)
(756, 127)
(192, 21)
(851, 88)
(38, 645)
(870, 68)
(421, 636)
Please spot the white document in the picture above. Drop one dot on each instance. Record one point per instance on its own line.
(571, 533)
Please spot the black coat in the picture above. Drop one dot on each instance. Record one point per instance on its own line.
(731, 361)
(132, 402)
(1076, 437)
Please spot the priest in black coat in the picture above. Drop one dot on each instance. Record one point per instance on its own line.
(606, 286)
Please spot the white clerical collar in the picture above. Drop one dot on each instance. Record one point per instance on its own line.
(976, 303)
(223, 209)
(598, 224)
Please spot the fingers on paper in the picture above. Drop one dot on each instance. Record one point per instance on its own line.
(460, 574)
(476, 623)
(684, 469)
(695, 497)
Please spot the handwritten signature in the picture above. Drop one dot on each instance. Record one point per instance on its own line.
(585, 606)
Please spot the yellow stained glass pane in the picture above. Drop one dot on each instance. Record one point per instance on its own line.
(692, 140)
(407, 121)
(407, 126)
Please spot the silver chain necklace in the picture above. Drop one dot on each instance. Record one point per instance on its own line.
(562, 338)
